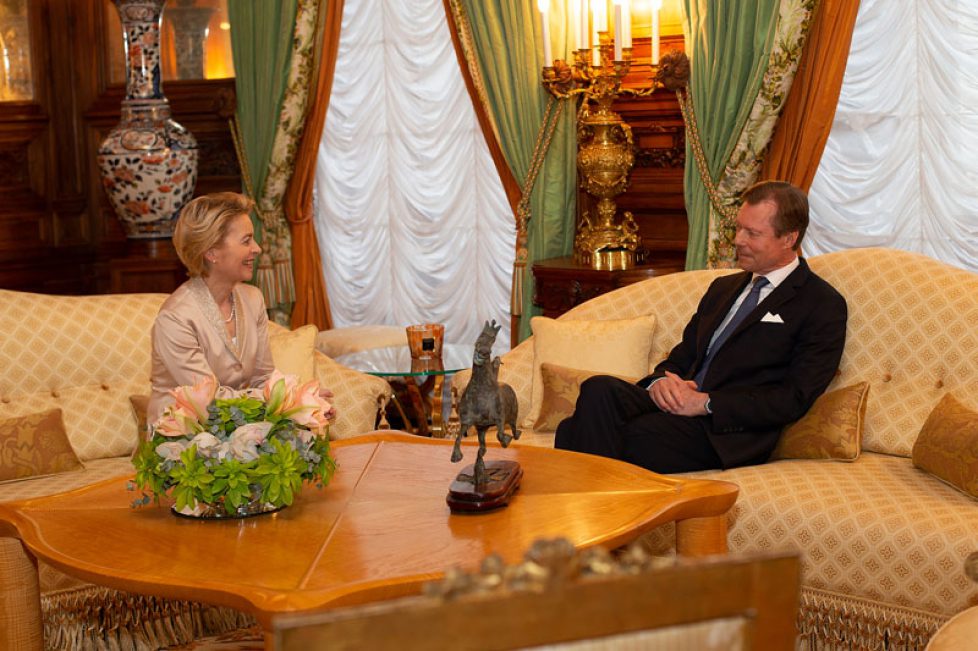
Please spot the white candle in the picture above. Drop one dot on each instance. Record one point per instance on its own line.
(655, 34)
(582, 28)
(601, 16)
(618, 32)
(575, 21)
(626, 19)
(599, 22)
(544, 5)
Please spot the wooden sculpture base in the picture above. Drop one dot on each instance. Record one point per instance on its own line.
(465, 497)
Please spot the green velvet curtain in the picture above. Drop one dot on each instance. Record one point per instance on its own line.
(261, 44)
(507, 38)
(728, 44)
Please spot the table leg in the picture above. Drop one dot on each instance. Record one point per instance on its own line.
(404, 416)
(418, 405)
(437, 424)
(454, 424)
(702, 536)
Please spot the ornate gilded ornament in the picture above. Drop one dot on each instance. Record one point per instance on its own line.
(547, 565)
(606, 150)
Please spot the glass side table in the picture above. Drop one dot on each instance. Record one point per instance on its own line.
(420, 376)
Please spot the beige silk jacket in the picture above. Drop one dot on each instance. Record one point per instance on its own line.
(191, 342)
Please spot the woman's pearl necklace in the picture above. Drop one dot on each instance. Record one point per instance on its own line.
(230, 316)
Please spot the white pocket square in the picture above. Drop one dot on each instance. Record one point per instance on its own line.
(772, 318)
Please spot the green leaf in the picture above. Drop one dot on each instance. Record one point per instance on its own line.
(150, 474)
(280, 473)
(192, 479)
(232, 479)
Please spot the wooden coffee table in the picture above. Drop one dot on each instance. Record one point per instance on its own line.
(381, 528)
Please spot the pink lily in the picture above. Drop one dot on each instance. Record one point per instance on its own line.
(194, 400)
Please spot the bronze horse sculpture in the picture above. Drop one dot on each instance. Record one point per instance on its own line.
(485, 402)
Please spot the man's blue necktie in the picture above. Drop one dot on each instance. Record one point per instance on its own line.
(750, 302)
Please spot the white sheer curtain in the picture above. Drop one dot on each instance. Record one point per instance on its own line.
(900, 168)
(412, 220)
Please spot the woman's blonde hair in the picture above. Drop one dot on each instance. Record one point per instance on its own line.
(203, 224)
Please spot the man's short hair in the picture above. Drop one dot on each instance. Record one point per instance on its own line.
(792, 204)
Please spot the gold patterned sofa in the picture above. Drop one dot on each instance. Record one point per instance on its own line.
(883, 542)
(86, 355)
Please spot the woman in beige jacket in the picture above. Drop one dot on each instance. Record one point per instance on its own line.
(214, 324)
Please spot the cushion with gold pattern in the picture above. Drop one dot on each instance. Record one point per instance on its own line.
(832, 428)
(140, 407)
(35, 445)
(561, 386)
(292, 351)
(616, 347)
(947, 446)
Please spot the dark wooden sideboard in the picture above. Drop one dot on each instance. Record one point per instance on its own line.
(561, 283)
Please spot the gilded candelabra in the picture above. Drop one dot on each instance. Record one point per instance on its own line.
(606, 151)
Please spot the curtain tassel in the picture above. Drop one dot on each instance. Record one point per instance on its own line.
(516, 303)
(282, 272)
(265, 279)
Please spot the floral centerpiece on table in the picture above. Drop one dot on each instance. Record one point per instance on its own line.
(225, 453)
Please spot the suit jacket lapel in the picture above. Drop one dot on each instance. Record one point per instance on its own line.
(781, 295)
(712, 319)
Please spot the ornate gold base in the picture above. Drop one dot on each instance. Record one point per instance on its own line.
(608, 245)
(609, 259)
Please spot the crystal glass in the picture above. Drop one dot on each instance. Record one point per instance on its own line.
(425, 340)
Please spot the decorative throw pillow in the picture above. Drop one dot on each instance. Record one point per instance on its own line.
(140, 406)
(292, 351)
(947, 446)
(35, 445)
(832, 428)
(616, 347)
(561, 386)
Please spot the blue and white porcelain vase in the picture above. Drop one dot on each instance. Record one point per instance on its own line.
(148, 162)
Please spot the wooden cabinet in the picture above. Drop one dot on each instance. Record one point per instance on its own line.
(561, 283)
(58, 233)
(655, 190)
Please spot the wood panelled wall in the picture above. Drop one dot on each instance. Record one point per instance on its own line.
(58, 233)
(655, 193)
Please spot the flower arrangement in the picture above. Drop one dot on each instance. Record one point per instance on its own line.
(225, 453)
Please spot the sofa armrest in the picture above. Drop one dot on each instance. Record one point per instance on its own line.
(357, 397)
(20, 598)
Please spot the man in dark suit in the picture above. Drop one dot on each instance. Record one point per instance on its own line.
(761, 347)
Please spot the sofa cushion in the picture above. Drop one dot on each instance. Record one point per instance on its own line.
(140, 407)
(357, 397)
(292, 350)
(98, 418)
(911, 334)
(352, 339)
(947, 446)
(94, 470)
(561, 386)
(877, 528)
(832, 428)
(617, 347)
(34, 446)
(84, 354)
